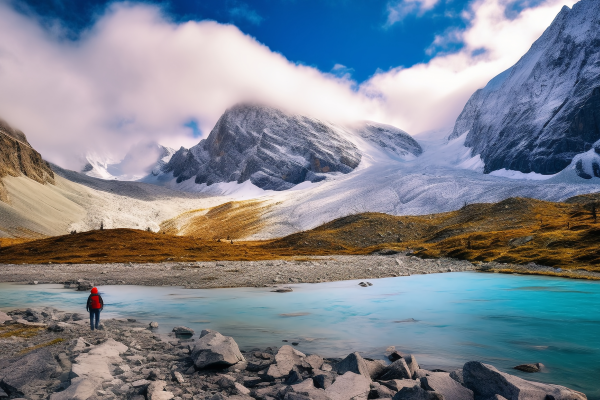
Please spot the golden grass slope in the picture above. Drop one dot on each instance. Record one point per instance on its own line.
(234, 220)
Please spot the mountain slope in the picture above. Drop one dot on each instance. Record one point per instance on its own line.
(276, 151)
(17, 158)
(539, 114)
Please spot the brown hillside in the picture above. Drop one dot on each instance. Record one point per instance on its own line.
(515, 230)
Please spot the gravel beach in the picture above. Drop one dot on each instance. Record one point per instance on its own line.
(233, 273)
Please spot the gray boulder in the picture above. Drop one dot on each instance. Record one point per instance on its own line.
(323, 381)
(349, 386)
(23, 376)
(379, 391)
(486, 381)
(285, 360)
(214, 350)
(376, 368)
(353, 363)
(457, 375)
(314, 361)
(80, 389)
(4, 317)
(442, 383)
(397, 370)
(411, 362)
(417, 393)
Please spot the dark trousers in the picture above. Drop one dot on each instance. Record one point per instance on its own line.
(94, 313)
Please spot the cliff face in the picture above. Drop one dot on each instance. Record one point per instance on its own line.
(543, 111)
(17, 158)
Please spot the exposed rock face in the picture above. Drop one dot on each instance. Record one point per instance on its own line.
(272, 149)
(389, 138)
(542, 112)
(17, 158)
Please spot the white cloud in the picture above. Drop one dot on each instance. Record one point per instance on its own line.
(430, 96)
(138, 76)
(398, 10)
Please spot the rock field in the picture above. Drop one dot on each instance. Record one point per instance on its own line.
(233, 273)
(48, 354)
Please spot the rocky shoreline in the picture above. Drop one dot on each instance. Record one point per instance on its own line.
(219, 274)
(49, 354)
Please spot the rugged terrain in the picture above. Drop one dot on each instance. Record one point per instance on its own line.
(48, 354)
(276, 151)
(543, 111)
(515, 234)
(17, 158)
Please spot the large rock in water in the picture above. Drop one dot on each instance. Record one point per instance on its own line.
(486, 381)
(214, 350)
(24, 376)
(543, 111)
(272, 149)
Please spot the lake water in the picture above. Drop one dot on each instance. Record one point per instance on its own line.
(444, 319)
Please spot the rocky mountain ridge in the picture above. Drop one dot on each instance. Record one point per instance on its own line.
(276, 150)
(542, 112)
(18, 158)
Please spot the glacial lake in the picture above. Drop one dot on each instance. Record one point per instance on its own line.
(443, 319)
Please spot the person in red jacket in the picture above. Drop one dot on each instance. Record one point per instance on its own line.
(95, 304)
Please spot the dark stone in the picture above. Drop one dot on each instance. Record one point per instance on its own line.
(396, 370)
(295, 376)
(323, 381)
(537, 367)
(416, 393)
(394, 356)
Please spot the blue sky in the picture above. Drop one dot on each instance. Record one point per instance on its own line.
(319, 33)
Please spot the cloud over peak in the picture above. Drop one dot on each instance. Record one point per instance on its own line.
(137, 76)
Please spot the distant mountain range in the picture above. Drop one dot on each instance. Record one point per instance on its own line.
(543, 112)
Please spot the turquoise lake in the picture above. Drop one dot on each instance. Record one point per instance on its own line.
(443, 319)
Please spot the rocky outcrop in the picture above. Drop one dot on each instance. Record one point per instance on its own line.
(539, 114)
(18, 158)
